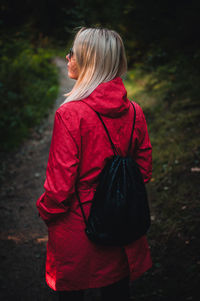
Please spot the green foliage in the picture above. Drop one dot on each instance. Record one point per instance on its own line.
(173, 124)
(29, 85)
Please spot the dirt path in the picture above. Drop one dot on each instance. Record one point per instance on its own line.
(23, 235)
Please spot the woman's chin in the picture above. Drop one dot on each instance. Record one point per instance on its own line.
(72, 76)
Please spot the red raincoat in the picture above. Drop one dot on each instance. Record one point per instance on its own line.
(78, 152)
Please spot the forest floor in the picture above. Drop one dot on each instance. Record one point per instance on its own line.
(23, 235)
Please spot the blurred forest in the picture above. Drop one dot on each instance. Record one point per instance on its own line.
(163, 50)
(161, 36)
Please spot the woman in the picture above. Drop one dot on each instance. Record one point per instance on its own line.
(78, 152)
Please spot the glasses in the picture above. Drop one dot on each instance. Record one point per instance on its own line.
(71, 53)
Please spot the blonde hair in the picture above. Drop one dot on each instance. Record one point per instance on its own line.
(100, 57)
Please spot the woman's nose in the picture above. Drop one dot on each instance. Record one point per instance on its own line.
(67, 57)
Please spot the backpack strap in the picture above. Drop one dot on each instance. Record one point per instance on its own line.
(112, 144)
(133, 127)
(81, 205)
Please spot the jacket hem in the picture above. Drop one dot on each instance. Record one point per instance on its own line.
(96, 284)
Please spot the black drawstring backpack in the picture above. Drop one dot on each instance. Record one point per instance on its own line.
(119, 212)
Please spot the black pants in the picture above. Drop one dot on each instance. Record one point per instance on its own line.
(118, 291)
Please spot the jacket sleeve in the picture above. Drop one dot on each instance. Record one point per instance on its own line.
(143, 151)
(61, 173)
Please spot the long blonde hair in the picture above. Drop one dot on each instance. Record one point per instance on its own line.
(100, 57)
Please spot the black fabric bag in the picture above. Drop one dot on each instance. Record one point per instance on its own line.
(119, 212)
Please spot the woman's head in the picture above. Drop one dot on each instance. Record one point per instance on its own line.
(98, 56)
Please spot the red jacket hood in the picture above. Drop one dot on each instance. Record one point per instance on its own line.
(109, 99)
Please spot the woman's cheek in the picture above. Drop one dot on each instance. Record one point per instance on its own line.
(73, 72)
